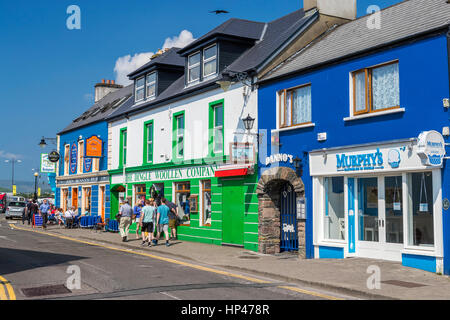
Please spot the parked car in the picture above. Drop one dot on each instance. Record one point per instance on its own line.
(15, 209)
(2, 202)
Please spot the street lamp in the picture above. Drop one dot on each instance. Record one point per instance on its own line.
(248, 122)
(13, 162)
(43, 143)
(36, 175)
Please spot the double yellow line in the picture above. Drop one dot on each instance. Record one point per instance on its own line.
(9, 289)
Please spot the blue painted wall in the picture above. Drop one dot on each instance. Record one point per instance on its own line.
(424, 82)
(99, 129)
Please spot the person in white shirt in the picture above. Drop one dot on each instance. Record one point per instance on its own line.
(69, 216)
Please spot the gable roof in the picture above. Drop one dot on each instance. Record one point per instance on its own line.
(102, 109)
(404, 20)
(233, 27)
(168, 58)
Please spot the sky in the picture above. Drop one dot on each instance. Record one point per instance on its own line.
(48, 72)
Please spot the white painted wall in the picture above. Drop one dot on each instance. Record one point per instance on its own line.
(196, 126)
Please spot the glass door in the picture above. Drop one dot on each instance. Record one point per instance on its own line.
(369, 222)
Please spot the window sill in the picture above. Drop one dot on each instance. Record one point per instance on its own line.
(301, 126)
(420, 251)
(332, 243)
(375, 114)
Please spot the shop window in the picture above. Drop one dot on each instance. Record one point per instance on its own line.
(65, 200)
(376, 89)
(95, 164)
(86, 204)
(139, 193)
(182, 194)
(420, 215)
(151, 85)
(139, 89)
(66, 159)
(210, 61)
(123, 148)
(334, 208)
(179, 131)
(148, 142)
(295, 106)
(394, 209)
(80, 156)
(206, 203)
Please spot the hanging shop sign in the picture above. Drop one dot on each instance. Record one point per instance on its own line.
(54, 156)
(94, 147)
(172, 174)
(431, 148)
(87, 164)
(280, 157)
(46, 165)
(384, 157)
(73, 158)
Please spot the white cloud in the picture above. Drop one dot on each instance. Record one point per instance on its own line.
(89, 97)
(181, 41)
(127, 64)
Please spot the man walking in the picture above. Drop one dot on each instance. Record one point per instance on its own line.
(126, 215)
(146, 221)
(162, 221)
(34, 208)
(43, 212)
(173, 219)
(27, 212)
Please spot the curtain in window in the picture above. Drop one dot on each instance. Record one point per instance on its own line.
(360, 80)
(301, 108)
(385, 87)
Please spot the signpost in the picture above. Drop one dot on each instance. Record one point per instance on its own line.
(47, 166)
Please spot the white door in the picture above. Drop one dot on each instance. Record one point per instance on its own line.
(380, 217)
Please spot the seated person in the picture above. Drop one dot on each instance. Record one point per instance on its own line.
(69, 217)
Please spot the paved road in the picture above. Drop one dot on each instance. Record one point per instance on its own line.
(30, 260)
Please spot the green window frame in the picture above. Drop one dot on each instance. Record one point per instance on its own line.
(178, 135)
(123, 148)
(216, 125)
(149, 130)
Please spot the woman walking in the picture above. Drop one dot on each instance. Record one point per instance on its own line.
(146, 222)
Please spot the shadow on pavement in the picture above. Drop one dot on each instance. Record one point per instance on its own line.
(16, 260)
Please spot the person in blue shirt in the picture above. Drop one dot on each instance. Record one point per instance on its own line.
(43, 212)
(137, 216)
(162, 221)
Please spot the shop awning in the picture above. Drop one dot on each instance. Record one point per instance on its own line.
(232, 171)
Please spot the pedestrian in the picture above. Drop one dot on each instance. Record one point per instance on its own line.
(43, 212)
(126, 215)
(162, 221)
(26, 212)
(146, 222)
(34, 209)
(173, 219)
(137, 209)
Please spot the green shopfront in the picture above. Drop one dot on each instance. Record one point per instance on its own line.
(217, 204)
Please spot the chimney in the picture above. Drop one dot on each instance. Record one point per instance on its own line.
(337, 8)
(104, 88)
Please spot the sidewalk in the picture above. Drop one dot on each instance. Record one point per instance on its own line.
(341, 275)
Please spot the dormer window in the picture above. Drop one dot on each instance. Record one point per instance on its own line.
(151, 85)
(194, 67)
(140, 89)
(210, 61)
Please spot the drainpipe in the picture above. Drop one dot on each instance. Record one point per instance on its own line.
(125, 165)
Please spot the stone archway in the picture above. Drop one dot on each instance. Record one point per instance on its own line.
(268, 191)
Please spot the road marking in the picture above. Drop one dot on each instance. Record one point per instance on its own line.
(12, 295)
(6, 238)
(311, 293)
(169, 295)
(3, 293)
(186, 264)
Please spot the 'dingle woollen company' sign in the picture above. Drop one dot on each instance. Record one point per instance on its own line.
(173, 174)
(366, 161)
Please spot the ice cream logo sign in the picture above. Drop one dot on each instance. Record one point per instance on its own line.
(431, 148)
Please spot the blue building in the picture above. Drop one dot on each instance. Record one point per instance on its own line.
(355, 125)
(82, 177)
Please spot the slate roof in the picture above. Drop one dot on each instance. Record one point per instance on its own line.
(233, 27)
(168, 58)
(103, 108)
(406, 19)
(268, 38)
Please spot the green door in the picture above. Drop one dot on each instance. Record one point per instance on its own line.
(233, 212)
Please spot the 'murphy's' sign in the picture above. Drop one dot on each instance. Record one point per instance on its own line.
(172, 174)
(365, 161)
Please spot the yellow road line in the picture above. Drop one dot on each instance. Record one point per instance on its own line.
(182, 263)
(12, 295)
(311, 293)
(3, 293)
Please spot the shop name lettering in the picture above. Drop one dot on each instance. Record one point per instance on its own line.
(173, 174)
(368, 161)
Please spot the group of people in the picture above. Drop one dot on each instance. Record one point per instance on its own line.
(151, 216)
(50, 214)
